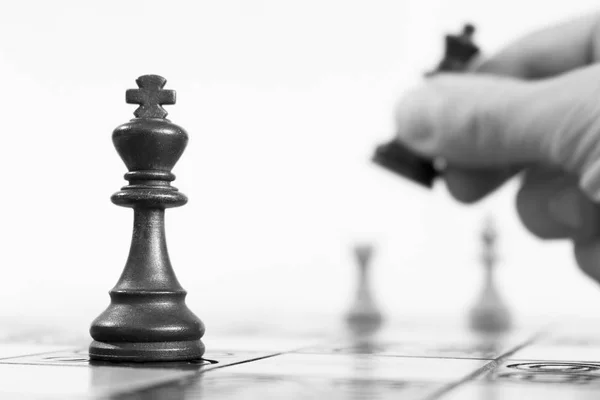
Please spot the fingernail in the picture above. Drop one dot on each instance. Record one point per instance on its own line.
(564, 207)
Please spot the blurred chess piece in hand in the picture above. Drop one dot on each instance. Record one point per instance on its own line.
(490, 314)
(364, 318)
(460, 52)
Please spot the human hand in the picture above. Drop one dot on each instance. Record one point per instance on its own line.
(532, 108)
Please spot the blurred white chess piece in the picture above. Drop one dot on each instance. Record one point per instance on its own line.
(490, 314)
(364, 318)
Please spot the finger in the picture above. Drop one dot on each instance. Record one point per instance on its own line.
(497, 122)
(470, 120)
(550, 51)
(471, 185)
(534, 56)
(552, 206)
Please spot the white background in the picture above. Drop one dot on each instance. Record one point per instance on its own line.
(284, 102)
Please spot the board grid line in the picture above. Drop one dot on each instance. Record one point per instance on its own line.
(483, 369)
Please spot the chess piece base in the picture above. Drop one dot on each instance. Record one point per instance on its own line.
(364, 324)
(490, 320)
(146, 351)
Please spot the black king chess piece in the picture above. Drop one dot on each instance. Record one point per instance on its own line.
(147, 319)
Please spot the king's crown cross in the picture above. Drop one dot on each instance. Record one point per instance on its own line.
(150, 96)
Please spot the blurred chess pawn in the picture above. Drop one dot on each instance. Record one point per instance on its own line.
(364, 318)
(490, 314)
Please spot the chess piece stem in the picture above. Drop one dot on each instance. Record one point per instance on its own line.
(148, 266)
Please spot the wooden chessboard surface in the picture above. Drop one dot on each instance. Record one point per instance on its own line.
(407, 361)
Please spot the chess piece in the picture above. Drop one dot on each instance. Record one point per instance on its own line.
(147, 319)
(363, 318)
(397, 158)
(459, 51)
(490, 314)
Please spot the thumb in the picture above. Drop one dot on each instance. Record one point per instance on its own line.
(489, 121)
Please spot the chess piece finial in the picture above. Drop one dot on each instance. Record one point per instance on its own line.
(468, 30)
(148, 319)
(150, 96)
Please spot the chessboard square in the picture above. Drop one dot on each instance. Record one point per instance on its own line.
(70, 357)
(477, 351)
(10, 350)
(95, 382)
(362, 367)
(225, 385)
(523, 391)
(223, 358)
(267, 344)
(456, 334)
(464, 345)
(80, 358)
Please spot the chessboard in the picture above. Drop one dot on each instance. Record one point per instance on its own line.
(418, 361)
